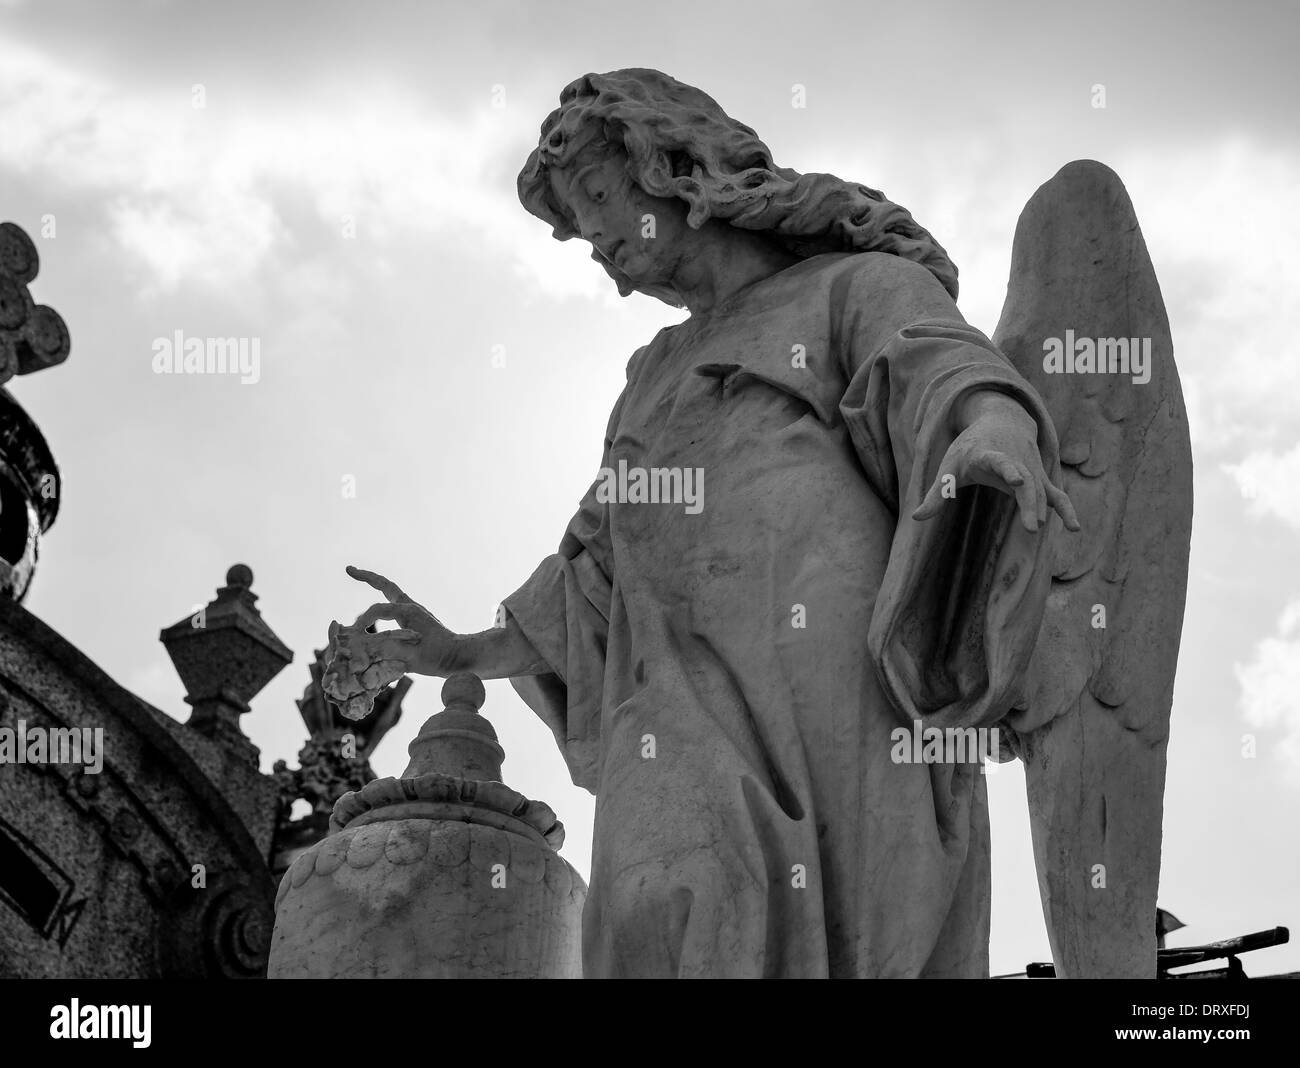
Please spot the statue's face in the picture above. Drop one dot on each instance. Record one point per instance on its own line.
(643, 236)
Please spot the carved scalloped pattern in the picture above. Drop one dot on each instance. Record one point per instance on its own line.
(436, 787)
(448, 844)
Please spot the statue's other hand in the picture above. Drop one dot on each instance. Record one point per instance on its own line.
(1000, 449)
(423, 644)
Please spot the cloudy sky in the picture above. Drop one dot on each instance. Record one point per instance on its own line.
(337, 180)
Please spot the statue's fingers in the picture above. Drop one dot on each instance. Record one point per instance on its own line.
(400, 613)
(1064, 507)
(1022, 485)
(372, 578)
(403, 635)
(932, 501)
(1009, 473)
(1040, 494)
(386, 586)
(1027, 499)
(394, 649)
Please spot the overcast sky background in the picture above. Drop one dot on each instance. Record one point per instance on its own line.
(377, 349)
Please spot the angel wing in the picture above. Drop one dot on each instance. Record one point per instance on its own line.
(1094, 723)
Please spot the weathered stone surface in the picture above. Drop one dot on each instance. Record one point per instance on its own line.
(426, 912)
(434, 875)
(115, 851)
(354, 679)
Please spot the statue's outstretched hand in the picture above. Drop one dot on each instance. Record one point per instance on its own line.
(999, 448)
(361, 665)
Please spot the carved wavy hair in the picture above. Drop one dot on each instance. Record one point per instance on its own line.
(680, 143)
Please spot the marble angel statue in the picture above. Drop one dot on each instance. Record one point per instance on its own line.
(903, 523)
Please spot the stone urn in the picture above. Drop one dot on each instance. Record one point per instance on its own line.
(445, 873)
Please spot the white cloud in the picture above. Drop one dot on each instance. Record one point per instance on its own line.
(1270, 687)
(199, 196)
(1222, 224)
(1270, 481)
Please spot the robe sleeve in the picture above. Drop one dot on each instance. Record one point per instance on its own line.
(563, 610)
(963, 594)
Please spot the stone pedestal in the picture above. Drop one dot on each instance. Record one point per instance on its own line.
(445, 873)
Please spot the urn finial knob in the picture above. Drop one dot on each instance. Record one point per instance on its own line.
(463, 689)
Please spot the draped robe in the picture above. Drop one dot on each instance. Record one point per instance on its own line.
(726, 682)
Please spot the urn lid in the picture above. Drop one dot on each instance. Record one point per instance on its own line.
(455, 769)
(458, 741)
